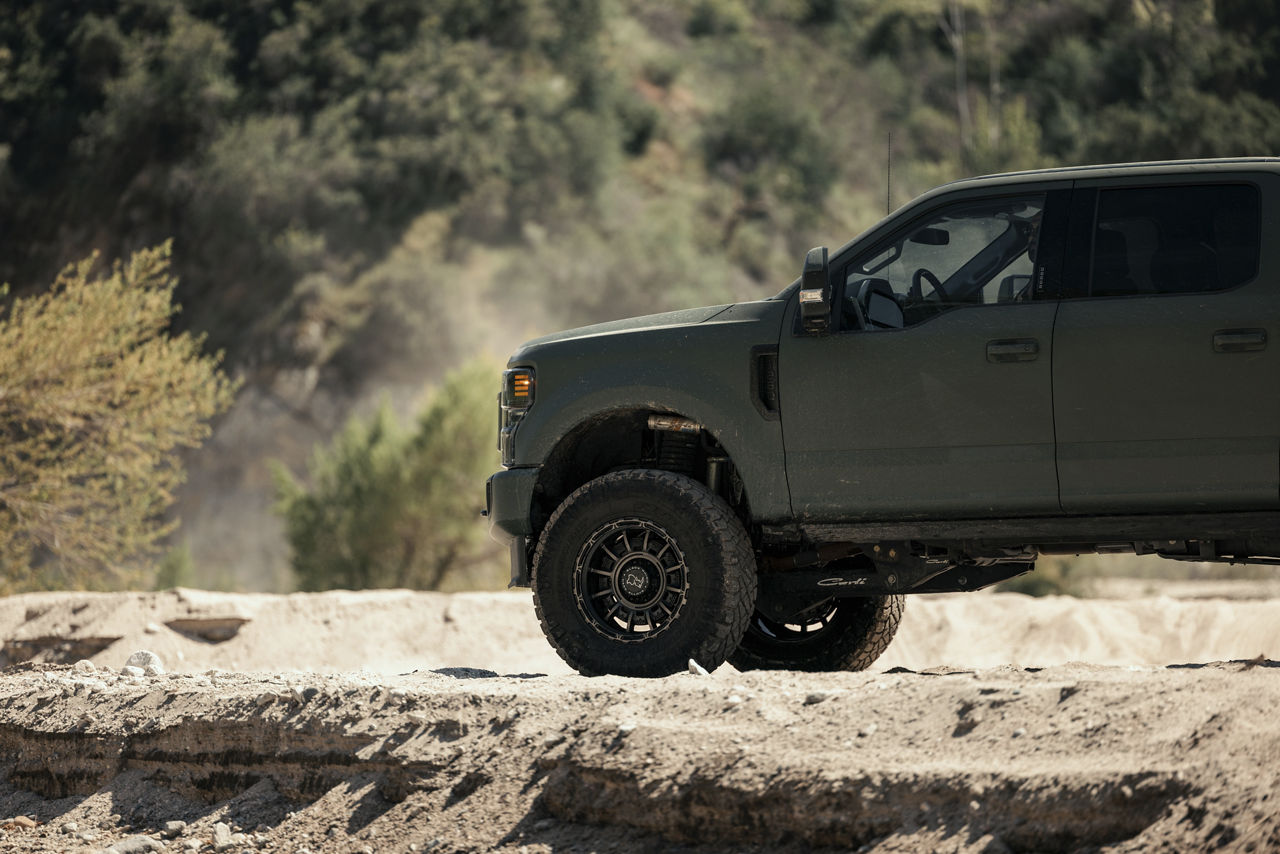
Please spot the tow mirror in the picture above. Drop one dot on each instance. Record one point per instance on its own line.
(815, 293)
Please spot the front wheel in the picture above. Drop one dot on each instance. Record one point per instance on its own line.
(837, 634)
(639, 571)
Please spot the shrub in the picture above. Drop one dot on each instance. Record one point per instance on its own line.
(717, 18)
(176, 569)
(774, 141)
(1051, 577)
(95, 400)
(639, 120)
(388, 507)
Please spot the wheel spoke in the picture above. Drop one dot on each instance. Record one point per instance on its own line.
(626, 589)
(799, 628)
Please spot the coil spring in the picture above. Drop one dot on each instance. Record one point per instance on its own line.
(677, 452)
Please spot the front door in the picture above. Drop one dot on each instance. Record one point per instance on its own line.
(933, 396)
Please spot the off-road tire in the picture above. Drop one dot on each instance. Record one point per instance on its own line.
(858, 633)
(716, 574)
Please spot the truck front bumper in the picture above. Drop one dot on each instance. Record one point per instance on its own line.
(508, 500)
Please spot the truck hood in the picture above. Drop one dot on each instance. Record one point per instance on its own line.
(666, 320)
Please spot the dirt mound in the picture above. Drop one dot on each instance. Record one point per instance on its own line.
(398, 631)
(1059, 759)
(452, 756)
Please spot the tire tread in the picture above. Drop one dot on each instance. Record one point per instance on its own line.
(736, 557)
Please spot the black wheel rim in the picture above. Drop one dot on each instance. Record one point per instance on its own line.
(798, 629)
(630, 580)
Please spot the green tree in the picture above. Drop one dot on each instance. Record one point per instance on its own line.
(389, 507)
(1152, 79)
(96, 398)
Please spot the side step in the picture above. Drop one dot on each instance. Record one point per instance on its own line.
(850, 577)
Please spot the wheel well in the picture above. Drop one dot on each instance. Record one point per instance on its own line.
(623, 439)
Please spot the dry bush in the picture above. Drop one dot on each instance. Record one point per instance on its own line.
(394, 507)
(96, 398)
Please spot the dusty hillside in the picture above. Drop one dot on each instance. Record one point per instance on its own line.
(463, 733)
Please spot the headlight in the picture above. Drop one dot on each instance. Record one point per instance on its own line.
(517, 388)
(514, 401)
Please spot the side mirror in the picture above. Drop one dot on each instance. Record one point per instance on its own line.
(815, 293)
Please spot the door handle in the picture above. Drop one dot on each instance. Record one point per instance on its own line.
(1013, 350)
(1239, 340)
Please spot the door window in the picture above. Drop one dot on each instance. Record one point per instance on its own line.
(966, 254)
(1168, 240)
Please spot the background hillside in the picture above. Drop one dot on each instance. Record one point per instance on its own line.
(366, 195)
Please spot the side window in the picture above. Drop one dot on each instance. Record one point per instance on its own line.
(1170, 240)
(966, 254)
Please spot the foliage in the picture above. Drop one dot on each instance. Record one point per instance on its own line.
(773, 142)
(1167, 80)
(389, 507)
(290, 144)
(96, 399)
(1051, 577)
(717, 18)
(365, 192)
(175, 569)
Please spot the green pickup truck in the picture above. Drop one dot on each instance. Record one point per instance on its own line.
(1052, 362)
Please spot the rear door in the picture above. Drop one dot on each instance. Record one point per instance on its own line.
(1166, 361)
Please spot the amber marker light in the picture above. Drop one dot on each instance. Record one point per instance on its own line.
(518, 388)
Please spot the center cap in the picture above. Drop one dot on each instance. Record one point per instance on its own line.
(634, 581)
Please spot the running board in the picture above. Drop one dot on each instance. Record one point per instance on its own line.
(1264, 525)
(843, 579)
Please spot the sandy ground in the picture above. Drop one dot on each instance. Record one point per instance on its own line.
(399, 721)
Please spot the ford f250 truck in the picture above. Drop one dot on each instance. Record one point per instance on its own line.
(1053, 362)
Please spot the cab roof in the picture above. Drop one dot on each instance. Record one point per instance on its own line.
(1104, 170)
(1121, 170)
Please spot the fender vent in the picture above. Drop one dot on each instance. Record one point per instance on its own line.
(764, 380)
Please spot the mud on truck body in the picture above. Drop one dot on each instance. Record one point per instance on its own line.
(1055, 362)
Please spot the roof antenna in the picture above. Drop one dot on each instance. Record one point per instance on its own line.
(888, 175)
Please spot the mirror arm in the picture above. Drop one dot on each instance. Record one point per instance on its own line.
(815, 293)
